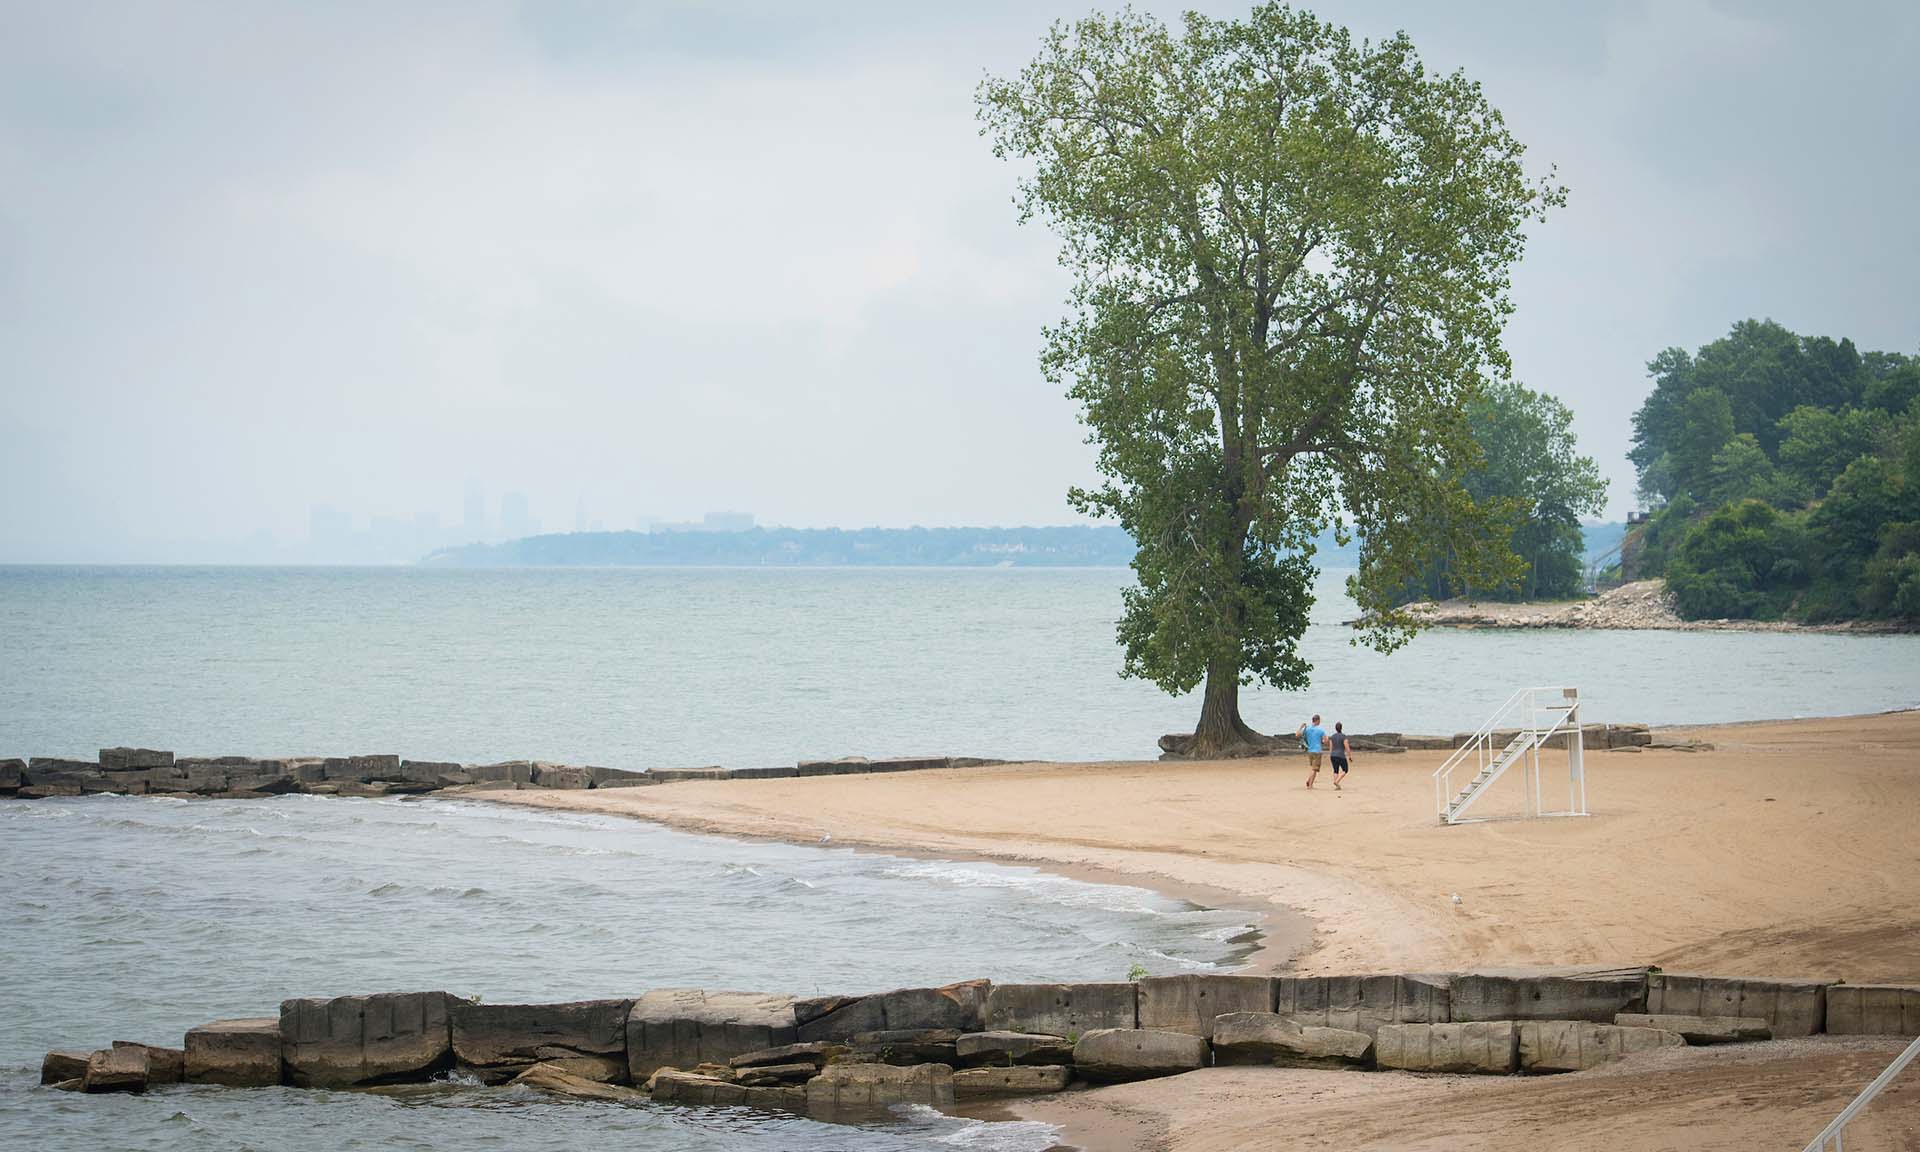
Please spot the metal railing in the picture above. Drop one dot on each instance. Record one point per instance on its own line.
(1830, 1135)
(1536, 722)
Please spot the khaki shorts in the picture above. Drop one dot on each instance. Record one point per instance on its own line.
(1313, 759)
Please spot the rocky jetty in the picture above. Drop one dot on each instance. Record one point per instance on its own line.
(1642, 605)
(836, 1057)
(152, 772)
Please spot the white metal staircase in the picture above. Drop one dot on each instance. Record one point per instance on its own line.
(1528, 720)
(1830, 1136)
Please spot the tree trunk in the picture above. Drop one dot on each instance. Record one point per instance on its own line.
(1221, 731)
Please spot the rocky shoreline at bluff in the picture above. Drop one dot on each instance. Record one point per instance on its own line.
(1643, 605)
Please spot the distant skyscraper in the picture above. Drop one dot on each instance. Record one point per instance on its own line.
(515, 520)
(580, 514)
(475, 524)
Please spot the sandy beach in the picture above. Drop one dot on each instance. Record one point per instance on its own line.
(1789, 849)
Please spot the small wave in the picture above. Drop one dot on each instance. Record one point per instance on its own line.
(980, 1135)
(387, 889)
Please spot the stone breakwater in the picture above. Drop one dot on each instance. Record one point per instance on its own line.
(824, 1055)
(1600, 737)
(152, 772)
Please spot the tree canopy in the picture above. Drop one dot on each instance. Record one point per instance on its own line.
(1786, 470)
(1290, 258)
(1533, 481)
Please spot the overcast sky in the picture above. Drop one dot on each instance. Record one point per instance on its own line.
(656, 259)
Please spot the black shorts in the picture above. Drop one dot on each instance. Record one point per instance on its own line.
(1339, 764)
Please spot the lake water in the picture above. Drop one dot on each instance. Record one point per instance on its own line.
(636, 668)
(134, 918)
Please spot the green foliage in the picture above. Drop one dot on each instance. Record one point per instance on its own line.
(1801, 505)
(1136, 973)
(1290, 258)
(1745, 560)
(1533, 480)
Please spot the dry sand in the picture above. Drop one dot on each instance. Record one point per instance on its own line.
(1790, 849)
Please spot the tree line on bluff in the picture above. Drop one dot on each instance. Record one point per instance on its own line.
(1785, 471)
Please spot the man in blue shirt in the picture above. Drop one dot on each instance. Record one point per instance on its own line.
(1315, 739)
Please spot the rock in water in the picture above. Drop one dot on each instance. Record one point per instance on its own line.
(237, 1053)
(61, 1065)
(586, 1038)
(879, 1086)
(550, 1078)
(383, 1038)
(116, 1070)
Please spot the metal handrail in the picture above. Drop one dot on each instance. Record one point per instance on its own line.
(1832, 1131)
(1482, 739)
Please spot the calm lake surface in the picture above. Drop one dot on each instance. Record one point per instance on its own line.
(134, 918)
(636, 668)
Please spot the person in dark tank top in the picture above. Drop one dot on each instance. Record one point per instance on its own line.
(1342, 758)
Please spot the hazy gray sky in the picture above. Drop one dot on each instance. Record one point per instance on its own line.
(668, 258)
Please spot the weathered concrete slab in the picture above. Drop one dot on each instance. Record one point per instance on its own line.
(1006, 1048)
(1874, 1009)
(1701, 1029)
(682, 775)
(164, 1065)
(547, 775)
(362, 768)
(237, 1053)
(905, 1046)
(1191, 1003)
(1022, 1080)
(908, 764)
(781, 772)
(1571, 1045)
(1266, 1038)
(671, 1086)
(127, 759)
(583, 1038)
(509, 771)
(116, 1070)
(383, 1038)
(1062, 1009)
(1481, 1046)
(817, 1053)
(687, 1027)
(1790, 1007)
(1363, 1003)
(63, 1064)
(561, 1081)
(843, 1086)
(1111, 1055)
(960, 1007)
(46, 791)
(841, 767)
(1594, 994)
(617, 777)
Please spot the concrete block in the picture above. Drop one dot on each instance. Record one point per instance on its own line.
(1480, 1046)
(1111, 1055)
(783, 772)
(1267, 1038)
(681, 775)
(63, 1064)
(508, 771)
(1571, 1045)
(560, 776)
(843, 1086)
(237, 1053)
(1701, 1029)
(164, 1065)
(1595, 994)
(116, 1070)
(1023, 1080)
(687, 1027)
(384, 1038)
(841, 767)
(1190, 1003)
(960, 1007)
(602, 777)
(127, 759)
(1062, 1009)
(1790, 1007)
(583, 1038)
(1007, 1048)
(1363, 1003)
(1874, 1009)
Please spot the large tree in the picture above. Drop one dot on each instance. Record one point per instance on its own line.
(1290, 255)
